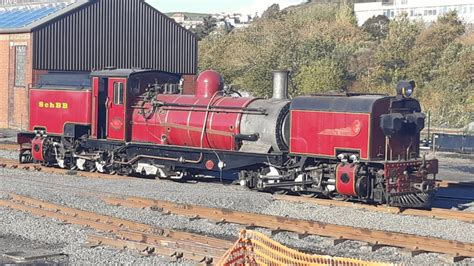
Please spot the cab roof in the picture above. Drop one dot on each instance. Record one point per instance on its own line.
(126, 73)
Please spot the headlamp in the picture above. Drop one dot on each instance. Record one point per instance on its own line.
(405, 88)
(407, 92)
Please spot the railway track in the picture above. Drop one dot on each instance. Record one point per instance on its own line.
(440, 183)
(448, 184)
(447, 214)
(122, 233)
(8, 163)
(9, 146)
(302, 227)
(433, 213)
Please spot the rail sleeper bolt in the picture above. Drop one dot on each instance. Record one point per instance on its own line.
(177, 255)
(221, 221)
(148, 250)
(193, 218)
(206, 260)
(156, 208)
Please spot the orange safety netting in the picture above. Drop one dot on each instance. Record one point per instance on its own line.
(254, 248)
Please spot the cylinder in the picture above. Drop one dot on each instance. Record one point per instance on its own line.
(280, 84)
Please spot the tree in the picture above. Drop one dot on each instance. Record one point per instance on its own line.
(202, 30)
(450, 95)
(346, 13)
(424, 56)
(377, 27)
(392, 55)
(321, 76)
(272, 12)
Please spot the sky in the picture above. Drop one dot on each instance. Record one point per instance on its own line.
(217, 6)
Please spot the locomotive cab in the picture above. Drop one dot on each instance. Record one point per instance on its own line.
(114, 93)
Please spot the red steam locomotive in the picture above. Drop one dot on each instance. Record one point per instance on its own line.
(355, 146)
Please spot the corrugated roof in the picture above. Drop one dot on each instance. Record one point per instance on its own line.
(24, 15)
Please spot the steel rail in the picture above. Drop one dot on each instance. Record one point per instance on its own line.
(9, 147)
(8, 163)
(448, 184)
(162, 241)
(147, 248)
(109, 220)
(433, 213)
(16, 147)
(305, 227)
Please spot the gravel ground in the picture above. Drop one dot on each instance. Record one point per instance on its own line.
(23, 232)
(82, 193)
(9, 155)
(64, 190)
(456, 167)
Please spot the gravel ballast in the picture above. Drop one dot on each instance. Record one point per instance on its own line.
(20, 230)
(23, 232)
(82, 193)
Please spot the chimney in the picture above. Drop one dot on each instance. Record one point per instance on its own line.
(280, 84)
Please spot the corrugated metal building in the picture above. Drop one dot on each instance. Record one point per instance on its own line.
(83, 35)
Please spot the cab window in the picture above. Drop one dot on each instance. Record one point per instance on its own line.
(118, 93)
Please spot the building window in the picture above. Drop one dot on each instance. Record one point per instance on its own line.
(404, 2)
(118, 93)
(390, 13)
(20, 65)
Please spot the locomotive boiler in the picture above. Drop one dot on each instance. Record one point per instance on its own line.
(212, 118)
(352, 146)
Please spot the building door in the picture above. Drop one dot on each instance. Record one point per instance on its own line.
(116, 101)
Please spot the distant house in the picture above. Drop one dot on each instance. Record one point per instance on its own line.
(426, 10)
(38, 36)
(179, 18)
(188, 21)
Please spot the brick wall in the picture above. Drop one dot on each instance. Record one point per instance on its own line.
(4, 74)
(14, 100)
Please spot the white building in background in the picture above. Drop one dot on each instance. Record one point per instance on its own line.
(427, 10)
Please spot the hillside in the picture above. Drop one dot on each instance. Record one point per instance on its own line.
(325, 50)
